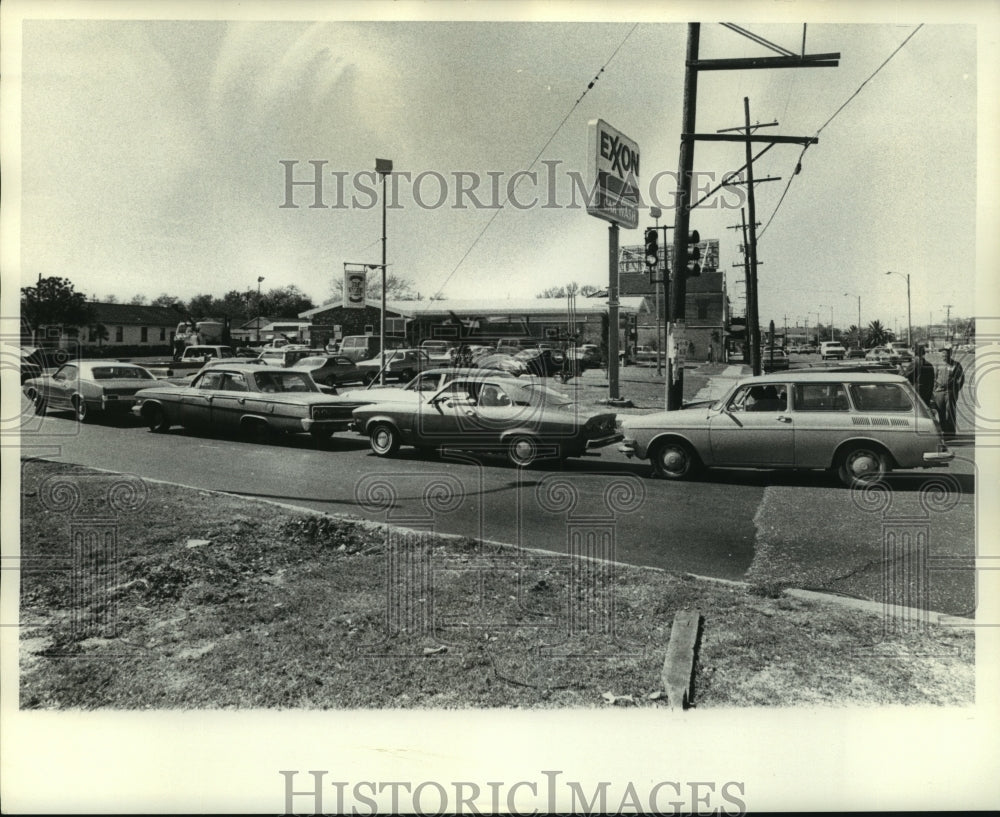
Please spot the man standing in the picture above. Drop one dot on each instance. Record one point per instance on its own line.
(921, 374)
(949, 378)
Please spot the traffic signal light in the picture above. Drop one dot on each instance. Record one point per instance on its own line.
(652, 246)
(692, 254)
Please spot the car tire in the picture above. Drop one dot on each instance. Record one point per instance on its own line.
(80, 410)
(862, 464)
(36, 401)
(407, 375)
(522, 450)
(674, 459)
(156, 419)
(384, 439)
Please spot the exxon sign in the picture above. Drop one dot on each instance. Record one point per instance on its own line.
(613, 175)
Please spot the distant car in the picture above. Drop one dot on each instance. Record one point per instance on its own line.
(832, 350)
(855, 352)
(257, 400)
(502, 362)
(773, 359)
(587, 355)
(329, 370)
(88, 388)
(859, 425)
(287, 355)
(525, 421)
(542, 362)
(399, 364)
(439, 352)
(644, 354)
(202, 353)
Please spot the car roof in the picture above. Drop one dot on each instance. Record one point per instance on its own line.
(849, 376)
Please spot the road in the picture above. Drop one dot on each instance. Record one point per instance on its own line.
(774, 528)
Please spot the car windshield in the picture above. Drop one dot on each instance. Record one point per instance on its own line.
(312, 362)
(120, 373)
(273, 382)
(538, 393)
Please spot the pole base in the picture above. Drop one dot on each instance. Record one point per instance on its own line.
(619, 402)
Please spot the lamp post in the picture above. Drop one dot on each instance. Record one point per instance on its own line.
(909, 326)
(383, 167)
(851, 295)
(259, 279)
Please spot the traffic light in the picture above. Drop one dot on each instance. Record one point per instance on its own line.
(652, 246)
(692, 254)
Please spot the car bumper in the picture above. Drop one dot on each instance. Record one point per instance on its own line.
(934, 459)
(629, 447)
(601, 442)
(308, 424)
(114, 403)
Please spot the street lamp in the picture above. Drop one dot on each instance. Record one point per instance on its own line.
(909, 327)
(383, 167)
(850, 295)
(259, 279)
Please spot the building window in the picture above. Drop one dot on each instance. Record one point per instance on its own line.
(163, 333)
(144, 334)
(119, 334)
(702, 310)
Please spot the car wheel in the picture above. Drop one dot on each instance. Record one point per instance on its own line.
(862, 465)
(674, 459)
(407, 375)
(36, 400)
(522, 451)
(258, 431)
(156, 419)
(384, 439)
(80, 410)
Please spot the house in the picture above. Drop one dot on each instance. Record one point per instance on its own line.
(122, 328)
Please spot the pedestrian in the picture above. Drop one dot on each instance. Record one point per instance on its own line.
(921, 374)
(949, 378)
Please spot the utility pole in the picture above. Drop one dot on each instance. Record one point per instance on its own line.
(678, 290)
(947, 324)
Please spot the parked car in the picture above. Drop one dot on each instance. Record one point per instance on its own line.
(502, 362)
(832, 350)
(88, 388)
(587, 355)
(645, 354)
(859, 425)
(525, 421)
(855, 352)
(257, 400)
(199, 354)
(440, 352)
(366, 347)
(542, 362)
(423, 385)
(773, 359)
(329, 370)
(399, 364)
(34, 362)
(287, 355)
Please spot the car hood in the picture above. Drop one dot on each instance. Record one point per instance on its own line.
(395, 395)
(668, 419)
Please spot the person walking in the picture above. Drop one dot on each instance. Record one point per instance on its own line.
(949, 378)
(921, 374)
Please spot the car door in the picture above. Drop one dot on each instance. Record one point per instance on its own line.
(822, 418)
(754, 428)
(229, 404)
(196, 406)
(61, 387)
(449, 416)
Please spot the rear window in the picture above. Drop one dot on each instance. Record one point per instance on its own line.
(120, 373)
(880, 397)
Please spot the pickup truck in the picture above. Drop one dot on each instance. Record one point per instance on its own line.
(193, 357)
(401, 364)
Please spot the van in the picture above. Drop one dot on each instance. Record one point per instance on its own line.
(365, 347)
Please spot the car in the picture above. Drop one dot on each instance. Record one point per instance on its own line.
(526, 421)
(199, 354)
(88, 388)
(859, 425)
(644, 354)
(587, 355)
(440, 352)
(832, 350)
(367, 347)
(542, 362)
(773, 359)
(35, 360)
(257, 400)
(287, 355)
(329, 370)
(401, 364)
(501, 362)
(855, 352)
(423, 385)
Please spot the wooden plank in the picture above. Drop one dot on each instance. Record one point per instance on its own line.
(678, 665)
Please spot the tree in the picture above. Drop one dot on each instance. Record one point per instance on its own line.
(168, 300)
(111, 299)
(877, 334)
(397, 288)
(138, 300)
(100, 333)
(54, 301)
(572, 288)
(285, 302)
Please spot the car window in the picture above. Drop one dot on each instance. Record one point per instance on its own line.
(425, 382)
(880, 397)
(120, 372)
(769, 397)
(66, 373)
(210, 380)
(234, 382)
(821, 397)
(492, 396)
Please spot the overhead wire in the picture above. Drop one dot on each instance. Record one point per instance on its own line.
(548, 142)
(798, 164)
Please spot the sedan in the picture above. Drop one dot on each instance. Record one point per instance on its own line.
(525, 421)
(502, 362)
(401, 364)
(329, 370)
(542, 362)
(773, 359)
(859, 425)
(88, 387)
(255, 400)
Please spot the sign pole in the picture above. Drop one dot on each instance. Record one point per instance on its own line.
(613, 393)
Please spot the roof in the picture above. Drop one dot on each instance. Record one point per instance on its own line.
(476, 308)
(806, 376)
(136, 314)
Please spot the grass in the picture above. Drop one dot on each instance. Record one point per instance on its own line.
(215, 601)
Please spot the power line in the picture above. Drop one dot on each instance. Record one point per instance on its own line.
(798, 164)
(548, 142)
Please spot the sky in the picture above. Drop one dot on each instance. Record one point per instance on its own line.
(151, 155)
